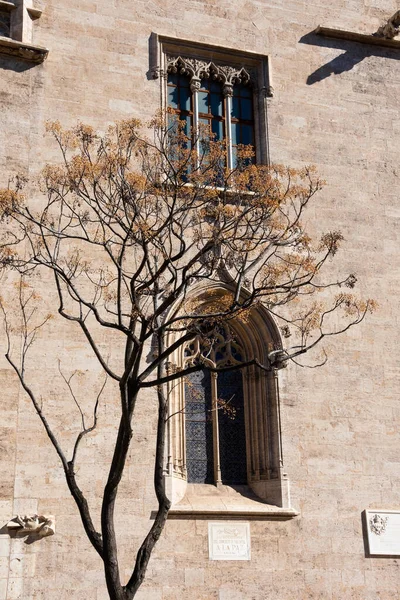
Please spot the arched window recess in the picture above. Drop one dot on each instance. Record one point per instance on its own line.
(224, 424)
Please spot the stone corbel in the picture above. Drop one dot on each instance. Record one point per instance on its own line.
(41, 525)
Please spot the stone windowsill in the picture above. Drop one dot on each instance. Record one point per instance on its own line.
(362, 38)
(226, 502)
(23, 50)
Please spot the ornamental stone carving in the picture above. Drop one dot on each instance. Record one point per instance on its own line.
(42, 525)
(200, 69)
(377, 524)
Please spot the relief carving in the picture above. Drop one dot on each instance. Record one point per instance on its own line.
(200, 69)
(42, 525)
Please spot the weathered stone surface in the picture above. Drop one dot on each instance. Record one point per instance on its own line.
(336, 105)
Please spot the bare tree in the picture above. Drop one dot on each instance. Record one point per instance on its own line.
(127, 226)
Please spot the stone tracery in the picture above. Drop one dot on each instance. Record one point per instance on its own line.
(200, 69)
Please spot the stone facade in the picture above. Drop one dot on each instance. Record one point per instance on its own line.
(335, 105)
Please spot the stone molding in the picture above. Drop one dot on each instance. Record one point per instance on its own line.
(353, 36)
(23, 50)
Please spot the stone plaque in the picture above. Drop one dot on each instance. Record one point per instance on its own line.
(229, 541)
(383, 532)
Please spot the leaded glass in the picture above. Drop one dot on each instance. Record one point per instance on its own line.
(242, 126)
(232, 433)
(225, 409)
(199, 440)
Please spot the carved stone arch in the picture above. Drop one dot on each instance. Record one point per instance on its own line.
(258, 335)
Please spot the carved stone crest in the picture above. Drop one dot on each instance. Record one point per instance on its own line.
(377, 524)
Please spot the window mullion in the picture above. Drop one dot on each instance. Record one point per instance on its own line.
(216, 449)
(228, 93)
(194, 87)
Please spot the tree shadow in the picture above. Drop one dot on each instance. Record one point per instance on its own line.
(354, 53)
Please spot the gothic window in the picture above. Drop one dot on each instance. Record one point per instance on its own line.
(212, 98)
(224, 427)
(224, 89)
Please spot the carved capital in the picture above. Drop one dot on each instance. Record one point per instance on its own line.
(227, 89)
(195, 84)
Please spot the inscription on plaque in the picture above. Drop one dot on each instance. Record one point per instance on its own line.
(229, 541)
(383, 532)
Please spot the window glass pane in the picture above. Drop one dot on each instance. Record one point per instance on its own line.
(246, 91)
(198, 426)
(203, 102)
(173, 97)
(215, 87)
(247, 134)
(235, 133)
(217, 129)
(173, 78)
(216, 101)
(235, 107)
(232, 432)
(4, 23)
(184, 80)
(184, 98)
(246, 109)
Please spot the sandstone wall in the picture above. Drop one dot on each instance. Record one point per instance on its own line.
(336, 105)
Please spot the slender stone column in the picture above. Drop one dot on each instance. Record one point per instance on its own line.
(228, 93)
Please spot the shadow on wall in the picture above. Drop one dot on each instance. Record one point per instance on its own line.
(354, 54)
(30, 538)
(16, 64)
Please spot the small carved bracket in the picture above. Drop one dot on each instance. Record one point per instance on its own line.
(42, 525)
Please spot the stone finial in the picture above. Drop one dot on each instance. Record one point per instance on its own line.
(43, 525)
